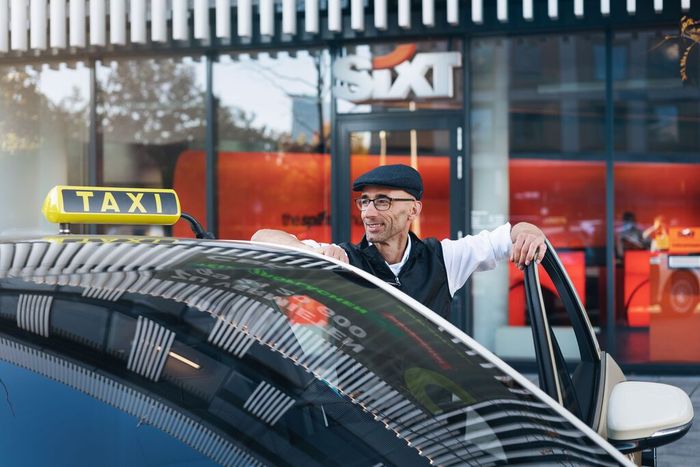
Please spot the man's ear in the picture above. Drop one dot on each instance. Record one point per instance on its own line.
(416, 209)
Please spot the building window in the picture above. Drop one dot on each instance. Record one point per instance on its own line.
(272, 146)
(151, 113)
(537, 156)
(656, 112)
(43, 141)
(656, 178)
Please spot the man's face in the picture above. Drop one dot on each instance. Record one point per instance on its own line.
(381, 226)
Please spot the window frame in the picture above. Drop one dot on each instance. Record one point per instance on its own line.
(553, 372)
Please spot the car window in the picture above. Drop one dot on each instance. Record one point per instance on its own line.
(577, 363)
(254, 357)
(80, 419)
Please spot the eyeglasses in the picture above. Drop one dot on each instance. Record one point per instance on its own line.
(381, 203)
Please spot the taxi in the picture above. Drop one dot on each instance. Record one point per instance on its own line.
(145, 351)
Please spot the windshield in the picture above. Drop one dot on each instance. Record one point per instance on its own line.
(157, 354)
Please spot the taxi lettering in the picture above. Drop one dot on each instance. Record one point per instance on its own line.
(107, 201)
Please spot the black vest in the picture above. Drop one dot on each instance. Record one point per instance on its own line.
(423, 277)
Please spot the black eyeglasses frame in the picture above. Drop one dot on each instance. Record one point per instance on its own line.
(359, 201)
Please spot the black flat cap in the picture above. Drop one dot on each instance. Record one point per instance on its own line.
(393, 176)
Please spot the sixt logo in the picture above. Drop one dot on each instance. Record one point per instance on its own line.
(395, 75)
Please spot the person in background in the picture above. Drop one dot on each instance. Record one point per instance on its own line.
(429, 270)
(657, 233)
(629, 236)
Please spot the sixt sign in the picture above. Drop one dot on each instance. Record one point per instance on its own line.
(395, 75)
(101, 205)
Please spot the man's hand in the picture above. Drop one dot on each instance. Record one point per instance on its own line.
(333, 251)
(528, 244)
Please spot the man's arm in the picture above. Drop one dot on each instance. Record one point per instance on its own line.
(283, 238)
(480, 252)
(483, 251)
(528, 244)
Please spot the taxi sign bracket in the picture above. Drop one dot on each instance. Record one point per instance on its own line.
(196, 227)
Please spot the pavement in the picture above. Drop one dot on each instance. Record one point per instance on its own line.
(685, 451)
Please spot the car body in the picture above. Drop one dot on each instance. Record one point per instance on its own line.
(161, 351)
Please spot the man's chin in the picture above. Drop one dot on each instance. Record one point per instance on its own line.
(373, 237)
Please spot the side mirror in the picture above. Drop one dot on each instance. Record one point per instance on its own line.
(647, 415)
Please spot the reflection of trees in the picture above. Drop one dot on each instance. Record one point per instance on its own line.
(160, 102)
(316, 90)
(238, 126)
(30, 122)
(158, 109)
(146, 103)
(151, 102)
(21, 107)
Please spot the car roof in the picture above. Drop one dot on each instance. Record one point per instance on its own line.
(236, 297)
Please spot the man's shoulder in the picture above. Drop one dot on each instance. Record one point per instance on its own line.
(431, 243)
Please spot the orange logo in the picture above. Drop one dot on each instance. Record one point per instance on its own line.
(397, 56)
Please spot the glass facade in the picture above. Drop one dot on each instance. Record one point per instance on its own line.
(43, 140)
(556, 89)
(273, 128)
(547, 94)
(552, 135)
(151, 116)
(656, 187)
(537, 156)
(656, 112)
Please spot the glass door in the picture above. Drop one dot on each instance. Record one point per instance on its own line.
(431, 143)
(427, 151)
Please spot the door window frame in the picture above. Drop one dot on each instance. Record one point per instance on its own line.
(460, 198)
(554, 375)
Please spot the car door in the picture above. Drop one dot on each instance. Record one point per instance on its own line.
(574, 371)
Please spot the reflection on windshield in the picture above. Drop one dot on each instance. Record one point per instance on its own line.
(278, 356)
(99, 415)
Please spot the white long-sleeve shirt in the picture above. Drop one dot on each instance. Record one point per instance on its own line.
(479, 252)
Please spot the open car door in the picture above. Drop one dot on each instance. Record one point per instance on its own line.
(636, 417)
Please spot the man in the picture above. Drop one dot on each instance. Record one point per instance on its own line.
(429, 270)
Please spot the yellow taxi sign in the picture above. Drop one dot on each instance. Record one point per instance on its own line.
(107, 205)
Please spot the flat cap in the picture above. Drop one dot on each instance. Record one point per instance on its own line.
(398, 176)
